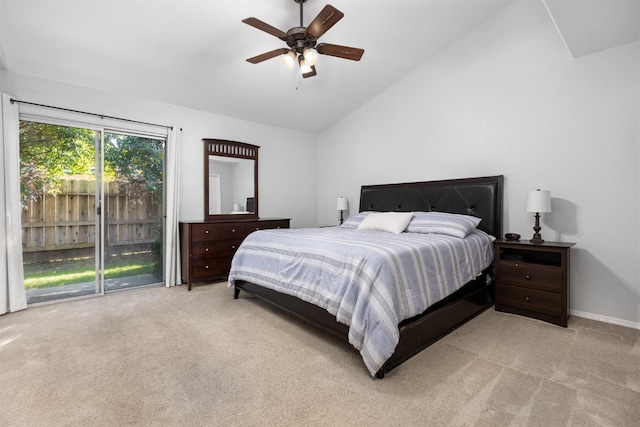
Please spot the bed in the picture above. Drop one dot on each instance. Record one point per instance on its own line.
(384, 341)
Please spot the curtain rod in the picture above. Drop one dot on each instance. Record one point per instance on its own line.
(102, 116)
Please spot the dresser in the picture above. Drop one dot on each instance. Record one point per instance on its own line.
(532, 279)
(207, 247)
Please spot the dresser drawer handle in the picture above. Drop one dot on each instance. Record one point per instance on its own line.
(233, 246)
(527, 276)
(233, 230)
(206, 266)
(206, 249)
(527, 299)
(206, 231)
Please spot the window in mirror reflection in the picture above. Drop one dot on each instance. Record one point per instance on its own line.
(231, 185)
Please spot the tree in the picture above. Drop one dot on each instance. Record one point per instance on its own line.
(136, 161)
(49, 152)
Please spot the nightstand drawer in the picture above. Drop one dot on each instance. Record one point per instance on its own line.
(536, 276)
(201, 232)
(214, 248)
(529, 299)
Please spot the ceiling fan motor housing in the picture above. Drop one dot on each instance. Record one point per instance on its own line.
(299, 40)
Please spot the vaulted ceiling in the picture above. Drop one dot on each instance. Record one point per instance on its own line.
(193, 52)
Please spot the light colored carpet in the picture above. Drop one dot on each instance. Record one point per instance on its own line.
(158, 356)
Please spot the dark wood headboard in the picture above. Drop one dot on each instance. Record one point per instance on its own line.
(480, 197)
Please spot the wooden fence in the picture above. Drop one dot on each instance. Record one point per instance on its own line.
(67, 220)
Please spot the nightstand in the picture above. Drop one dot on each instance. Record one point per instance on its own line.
(533, 279)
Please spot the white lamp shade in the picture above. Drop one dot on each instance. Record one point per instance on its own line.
(304, 68)
(539, 201)
(310, 57)
(342, 204)
(288, 59)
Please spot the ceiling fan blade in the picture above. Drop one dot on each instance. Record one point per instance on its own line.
(326, 19)
(346, 52)
(256, 23)
(267, 55)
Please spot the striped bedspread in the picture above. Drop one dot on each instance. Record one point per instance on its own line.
(370, 280)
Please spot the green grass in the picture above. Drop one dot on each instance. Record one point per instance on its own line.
(80, 273)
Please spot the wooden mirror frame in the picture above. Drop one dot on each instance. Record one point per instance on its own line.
(237, 150)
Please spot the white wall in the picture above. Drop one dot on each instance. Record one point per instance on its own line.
(287, 167)
(509, 99)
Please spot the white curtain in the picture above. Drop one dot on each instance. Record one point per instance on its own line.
(172, 241)
(12, 294)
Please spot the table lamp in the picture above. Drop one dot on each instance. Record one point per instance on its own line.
(538, 201)
(342, 205)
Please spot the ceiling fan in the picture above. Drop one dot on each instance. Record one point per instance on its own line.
(302, 41)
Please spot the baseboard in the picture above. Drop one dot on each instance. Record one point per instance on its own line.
(606, 319)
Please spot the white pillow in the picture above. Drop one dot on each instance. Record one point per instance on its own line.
(394, 222)
(456, 225)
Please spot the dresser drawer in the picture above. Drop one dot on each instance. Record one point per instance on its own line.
(214, 248)
(222, 231)
(212, 267)
(266, 225)
(536, 276)
(529, 299)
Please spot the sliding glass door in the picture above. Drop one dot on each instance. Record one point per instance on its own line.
(92, 210)
(133, 210)
(59, 193)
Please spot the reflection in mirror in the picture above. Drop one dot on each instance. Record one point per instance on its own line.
(230, 180)
(230, 186)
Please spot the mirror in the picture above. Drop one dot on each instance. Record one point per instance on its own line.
(230, 180)
(230, 185)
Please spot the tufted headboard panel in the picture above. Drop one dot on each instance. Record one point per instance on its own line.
(481, 197)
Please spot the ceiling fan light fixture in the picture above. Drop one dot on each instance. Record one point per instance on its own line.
(288, 59)
(304, 67)
(310, 56)
(310, 73)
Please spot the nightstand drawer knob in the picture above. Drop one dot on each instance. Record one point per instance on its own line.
(206, 231)
(527, 276)
(527, 299)
(233, 246)
(206, 266)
